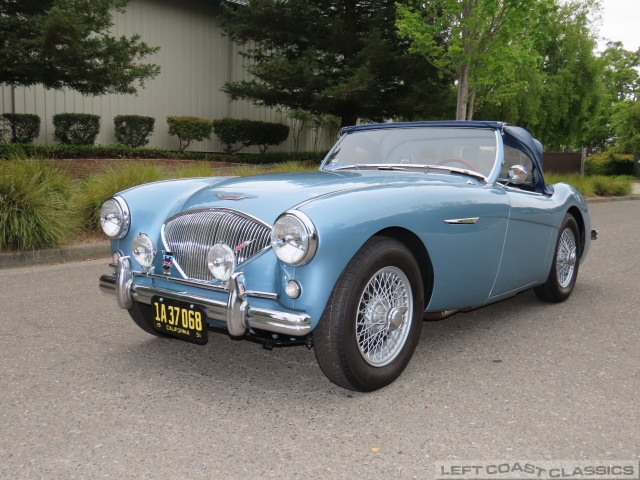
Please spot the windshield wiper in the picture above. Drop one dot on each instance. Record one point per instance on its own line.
(379, 166)
(459, 171)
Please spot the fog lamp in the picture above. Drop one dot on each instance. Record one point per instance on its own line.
(144, 250)
(221, 261)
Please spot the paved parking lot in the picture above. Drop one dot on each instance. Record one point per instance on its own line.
(86, 394)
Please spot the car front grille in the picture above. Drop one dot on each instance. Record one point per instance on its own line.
(189, 236)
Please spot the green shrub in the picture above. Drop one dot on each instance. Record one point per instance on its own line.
(200, 169)
(189, 129)
(609, 163)
(610, 187)
(76, 128)
(294, 166)
(249, 132)
(133, 130)
(21, 127)
(34, 205)
(99, 187)
(594, 185)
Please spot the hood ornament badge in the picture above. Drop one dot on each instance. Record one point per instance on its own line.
(241, 245)
(224, 196)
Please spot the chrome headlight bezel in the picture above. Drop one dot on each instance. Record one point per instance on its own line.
(124, 217)
(144, 257)
(309, 239)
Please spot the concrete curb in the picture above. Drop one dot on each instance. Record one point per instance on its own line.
(91, 251)
(71, 253)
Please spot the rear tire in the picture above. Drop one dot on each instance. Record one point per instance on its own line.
(371, 324)
(564, 269)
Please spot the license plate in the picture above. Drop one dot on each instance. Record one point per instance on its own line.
(180, 319)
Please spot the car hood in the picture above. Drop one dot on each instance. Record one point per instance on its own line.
(267, 196)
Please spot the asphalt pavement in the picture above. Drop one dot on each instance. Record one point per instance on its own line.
(86, 394)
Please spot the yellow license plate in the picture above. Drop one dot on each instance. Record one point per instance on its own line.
(179, 319)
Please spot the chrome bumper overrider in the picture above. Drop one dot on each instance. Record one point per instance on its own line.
(235, 312)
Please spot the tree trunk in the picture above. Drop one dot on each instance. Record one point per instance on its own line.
(463, 92)
(470, 106)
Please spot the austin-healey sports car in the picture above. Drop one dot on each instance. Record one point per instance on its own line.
(402, 222)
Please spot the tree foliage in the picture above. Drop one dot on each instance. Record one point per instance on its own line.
(67, 44)
(560, 99)
(338, 57)
(482, 44)
(626, 124)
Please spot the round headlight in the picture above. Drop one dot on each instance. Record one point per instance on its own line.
(114, 218)
(221, 261)
(144, 250)
(293, 238)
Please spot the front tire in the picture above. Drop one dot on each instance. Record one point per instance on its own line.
(564, 269)
(371, 324)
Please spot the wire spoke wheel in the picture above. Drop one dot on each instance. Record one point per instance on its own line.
(566, 261)
(382, 324)
(566, 257)
(371, 324)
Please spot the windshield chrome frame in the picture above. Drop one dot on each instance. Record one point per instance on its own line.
(490, 179)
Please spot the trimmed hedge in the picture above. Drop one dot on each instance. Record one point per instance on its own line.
(133, 130)
(76, 128)
(189, 129)
(122, 151)
(231, 131)
(20, 127)
(609, 163)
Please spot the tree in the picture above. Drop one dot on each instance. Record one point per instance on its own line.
(621, 75)
(560, 100)
(337, 57)
(66, 44)
(480, 43)
(626, 123)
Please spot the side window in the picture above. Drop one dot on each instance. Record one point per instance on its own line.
(513, 156)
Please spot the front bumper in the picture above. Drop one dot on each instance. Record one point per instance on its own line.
(236, 312)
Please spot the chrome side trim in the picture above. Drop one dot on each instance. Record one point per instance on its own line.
(462, 221)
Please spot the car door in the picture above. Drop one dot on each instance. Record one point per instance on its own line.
(529, 236)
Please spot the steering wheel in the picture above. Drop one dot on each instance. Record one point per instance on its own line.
(464, 162)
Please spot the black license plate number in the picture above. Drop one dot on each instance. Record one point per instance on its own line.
(183, 320)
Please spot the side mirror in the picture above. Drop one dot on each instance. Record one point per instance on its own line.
(518, 174)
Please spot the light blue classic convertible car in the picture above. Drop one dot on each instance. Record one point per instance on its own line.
(402, 222)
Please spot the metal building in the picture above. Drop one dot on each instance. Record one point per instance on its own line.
(196, 59)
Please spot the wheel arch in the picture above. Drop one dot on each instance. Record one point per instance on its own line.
(577, 214)
(420, 253)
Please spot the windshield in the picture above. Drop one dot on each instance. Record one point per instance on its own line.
(471, 149)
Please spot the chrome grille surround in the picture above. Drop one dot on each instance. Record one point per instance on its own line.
(190, 235)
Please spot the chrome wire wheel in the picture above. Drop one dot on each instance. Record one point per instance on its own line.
(383, 318)
(566, 257)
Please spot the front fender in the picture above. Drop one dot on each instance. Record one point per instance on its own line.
(422, 211)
